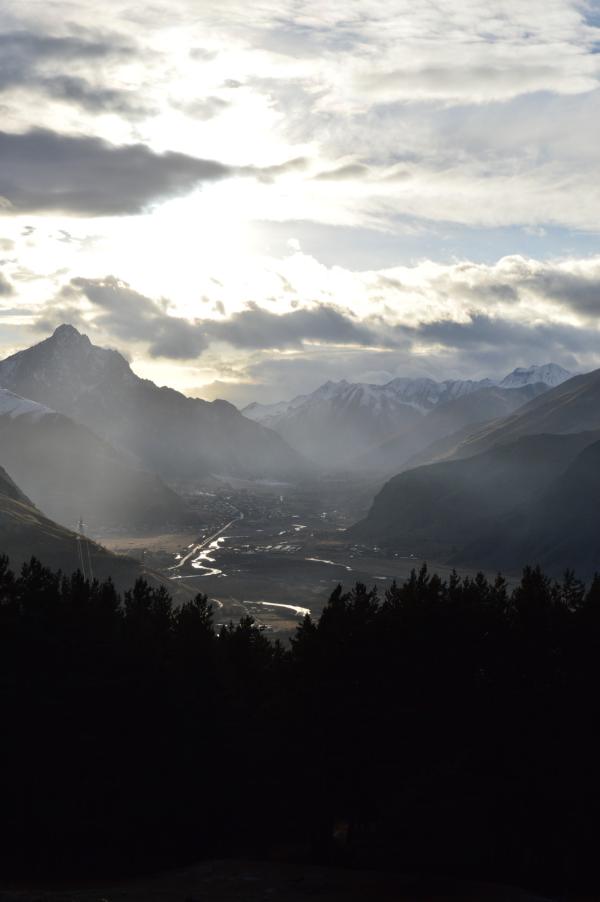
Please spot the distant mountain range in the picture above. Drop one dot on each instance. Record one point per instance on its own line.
(522, 489)
(379, 427)
(175, 436)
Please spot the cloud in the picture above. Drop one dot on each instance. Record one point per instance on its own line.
(43, 170)
(204, 108)
(577, 291)
(465, 320)
(269, 173)
(115, 309)
(492, 345)
(568, 286)
(38, 62)
(132, 317)
(340, 173)
(324, 323)
(483, 79)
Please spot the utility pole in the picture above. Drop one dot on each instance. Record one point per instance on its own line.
(79, 548)
(82, 539)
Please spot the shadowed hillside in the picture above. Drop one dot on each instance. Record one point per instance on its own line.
(25, 532)
(70, 473)
(462, 413)
(559, 528)
(436, 510)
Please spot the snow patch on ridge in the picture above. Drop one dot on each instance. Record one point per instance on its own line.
(14, 406)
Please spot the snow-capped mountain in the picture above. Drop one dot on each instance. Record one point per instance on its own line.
(343, 420)
(420, 394)
(173, 435)
(549, 373)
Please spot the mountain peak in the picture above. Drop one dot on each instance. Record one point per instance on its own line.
(550, 374)
(68, 333)
(168, 432)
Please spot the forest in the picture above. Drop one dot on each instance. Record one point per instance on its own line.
(443, 727)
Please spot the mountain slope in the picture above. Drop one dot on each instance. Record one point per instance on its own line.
(559, 529)
(445, 419)
(70, 473)
(341, 422)
(341, 418)
(173, 435)
(26, 532)
(573, 406)
(438, 509)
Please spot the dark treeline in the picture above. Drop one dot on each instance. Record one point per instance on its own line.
(448, 727)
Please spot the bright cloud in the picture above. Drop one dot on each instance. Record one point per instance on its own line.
(162, 172)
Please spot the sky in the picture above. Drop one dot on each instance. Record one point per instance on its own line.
(249, 200)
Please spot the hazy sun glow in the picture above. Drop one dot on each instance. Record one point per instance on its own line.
(396, 165)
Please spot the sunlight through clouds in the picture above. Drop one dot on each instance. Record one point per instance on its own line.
(193, 154)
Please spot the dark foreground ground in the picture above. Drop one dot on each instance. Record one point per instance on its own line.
(251, 881)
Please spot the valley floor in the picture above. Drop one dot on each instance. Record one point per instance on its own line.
(271, 551)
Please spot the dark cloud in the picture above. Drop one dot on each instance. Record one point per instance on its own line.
(27, 47)
(481, 344)
(38, 62)
(258, 328)
(580, 293)
(42, 170)
(490, 345)
(125, 314)
(130, 316)
(96, 99)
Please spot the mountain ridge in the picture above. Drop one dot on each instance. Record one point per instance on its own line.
(349, 423)
(440, 509)
(176, 436)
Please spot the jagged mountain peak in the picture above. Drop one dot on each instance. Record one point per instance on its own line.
(67, 332)
(61, 371)
(173, 434)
